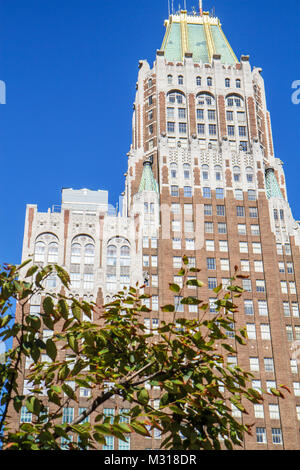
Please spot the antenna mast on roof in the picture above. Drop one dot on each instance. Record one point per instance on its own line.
(200, 7)
(168, 7)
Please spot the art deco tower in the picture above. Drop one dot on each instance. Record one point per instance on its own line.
(204, 181)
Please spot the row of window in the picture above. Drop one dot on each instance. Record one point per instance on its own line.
(203, 99)
(220, 194)
(209, 81)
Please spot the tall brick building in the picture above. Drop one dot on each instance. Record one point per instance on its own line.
(203, 180)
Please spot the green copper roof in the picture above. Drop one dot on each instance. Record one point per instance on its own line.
(148, 182)
(272, 186)
(200, 35)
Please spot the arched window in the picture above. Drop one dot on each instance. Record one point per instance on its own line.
(111, 255)
(89, 254)
(198, 81)
(204, 170)
(209, 81)
(249, 174)
(46, 248)
(180, 79)
(176, 97)
(53, 252)
(39, 252)
(238, 83)
(205, 100)
(227, 82)
(218, 173)
(173, 168)
(170, 79)
(150, 83)
(186, 171)
(234, 100)
(236, 173)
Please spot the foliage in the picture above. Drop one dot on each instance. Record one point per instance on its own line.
(186, 360)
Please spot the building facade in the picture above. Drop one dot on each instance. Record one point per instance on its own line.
(203, 181)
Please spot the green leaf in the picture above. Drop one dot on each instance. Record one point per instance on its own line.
(190, 301)
(168, 308)
(143, 396)
(51, 349)
(140, 429)
(48, 306)
(31, 271)
(76, 311)
(174, 288)
(195, 283)
(33, 405)
(63, 275)
(185, 260)
(69, 391)
(63, 308)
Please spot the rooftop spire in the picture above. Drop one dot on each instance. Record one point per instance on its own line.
(200, 7)
(148, 182)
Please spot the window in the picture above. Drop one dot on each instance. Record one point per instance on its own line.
(255, 230)
(39, 252)
(259, 411)
(170, 113)
(221, 211)
(150, 100)
(175, 208)
(182, 128)
(286, 309)
(236, 174)
(229, 115)
(207, 209)
(205, 170)
(186, 171)
(245, 265)
(176, 225)
(173, 170)
(170, 127)
(224, 264)
(289, 332)
(88, 281)
(276, 436)
(247, 285)
(53, 253)
(296, 386)
(238, 194)
(210, 245)
(176, 243)
(212, 282)
(209, 227)
(243, 146)
(265, 331)
(68, 415)
(254, 364)
(223, 245)
(26, 416)
(290, 268)
(260, 285)
(261, 435)
(211, 114)
(201, 129)
(236, 413)
(200, 114)
(150, 115)
(243, 247)
(256, 247)
(211, 263)
(209, 81)
(251, 331)
(242, 133)
(190, 244)
(269, 364)
(238, 83)
(248, 307)
(179, 307)
(170, 79)
(219, 193)
(154, 280)
(251, 195)
(292, 287)
(295, 309)
(176, 261)
(187, 191)
(294, 366)
(287, 248)
(263, 308)
(180, 80)
(256, 385)
(212, 305)
(198, 81)
(206, 193)
(154, 261)
(242, 229)
(227, 82)
(222, 227)
(283, 285)
(281, 212)
(240, 211)
(253, 212)
(258, 267)
(174, 191)
(212, 129)
(230, 130)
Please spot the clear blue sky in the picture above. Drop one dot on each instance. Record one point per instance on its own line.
(70, 67)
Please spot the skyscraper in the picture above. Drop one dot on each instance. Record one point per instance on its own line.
(203, 181)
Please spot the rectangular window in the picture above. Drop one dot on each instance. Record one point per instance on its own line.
(253, 212)
(177, 261)
(170, 113)
(181, 113)
(187, 191)
(211, 263)
(182, 128)
(146, 260)
(230, 130)
(287, 248)
(256, 247)
(224, 264)
(200, 114)
(265, 331)
(176, 226)
(245, 265)
(251, 195)
(243, 247)
(286, 309)
(174, 191)
(206, 193)
(254, 364)
(263, 308)
(155, 303)
(294, 366)
(247, 285)
(223, 245)
(260, 285)
(207, 209)
(212, 129)
(248, 307)
(240, 211)
(279, 248)
(296, 386)
(154, 280)
(290, 268)
(26, 416)
(269, 364)
(188, 209)
(238, 194)
(258, 266)
(212, 305)
(283, 285)
(292, 287)
(221, 211)
(209, 227)
(229, 115)
(211, 114)
(175, 208)
(176, 243)
(210, 245)
(171, 127)
(241, 229)
(190, 244)
(154, 261)
(255, 230)
(259, 411)
(289, 332)
(242, 131)
(179, 307)
(212, 282)
(251, 331)
(222, 228)
(276, 436)
(295, 309)
(201, 129)
(68, 415)
(261, 435)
